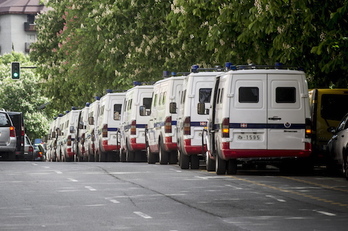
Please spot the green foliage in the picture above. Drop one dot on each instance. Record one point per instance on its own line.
(85, 46)
(23, 95)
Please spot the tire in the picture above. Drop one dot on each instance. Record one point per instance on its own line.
(151, 159)
(194, 162)
(220, 166)
(184, 160)
(123, 155)
(173, 157)
(210, 163)
(130, 156)
(163, 155)
(232, 167)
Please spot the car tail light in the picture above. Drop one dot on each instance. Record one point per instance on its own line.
(39, 154)
(308, 132)
(69, 141)
(12, 131)
(105, 130)
(133, 128)
(168, 125)
(187, 126)
(31, 149)
(225, 129)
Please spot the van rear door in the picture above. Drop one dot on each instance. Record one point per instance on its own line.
(286, 112)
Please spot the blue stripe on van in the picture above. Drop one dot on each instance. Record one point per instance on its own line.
(161, 124)
(113, 129)
(266, 126)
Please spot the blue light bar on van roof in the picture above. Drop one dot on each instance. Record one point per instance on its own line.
(87, 104)
(73, 108)
(194, 68)
(97, 97)
(137, 83)
(108, 91)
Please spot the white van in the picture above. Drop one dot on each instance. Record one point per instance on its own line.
(197, 88)
(52, 139)
(160, 134)
(81, 134)
(109, 123)
(258, 114)
(136, 114)
(92, 131)
(66, 143)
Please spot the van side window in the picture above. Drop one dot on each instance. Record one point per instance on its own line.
(286, 95)
(221, 92)
(117, 111)
(204, 95)
(248, 94)
(183, 97)
(218, 97)
(331, 106)
(164, 97)
(102, 110)
(155, 101)
(129, 106)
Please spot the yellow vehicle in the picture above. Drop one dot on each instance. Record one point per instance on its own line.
(328, 106)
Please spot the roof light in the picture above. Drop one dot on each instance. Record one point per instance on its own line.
(194, 68)
(137, 83)
(108, 91)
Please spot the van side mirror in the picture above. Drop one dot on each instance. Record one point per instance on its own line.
(201, 108)
(331, 129)
(172, 108)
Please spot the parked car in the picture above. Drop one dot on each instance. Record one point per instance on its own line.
(338, 148)
(28, 149)
(39, 152)
(7, 137)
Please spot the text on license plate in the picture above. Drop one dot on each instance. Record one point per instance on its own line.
(249, 137)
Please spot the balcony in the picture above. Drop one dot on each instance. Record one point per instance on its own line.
(29, 27)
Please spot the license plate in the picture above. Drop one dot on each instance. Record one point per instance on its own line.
(249, 137)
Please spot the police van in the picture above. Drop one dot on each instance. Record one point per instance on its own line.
(161, 138)
(51, 154)
(81, 134)
(258, 113)
(109, 123)
(136, 113)
(92, 144)
(197, 88)
(66, 142)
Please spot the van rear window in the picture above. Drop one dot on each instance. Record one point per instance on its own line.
(286, 95)
(117, 111)
(248, 95)
(147, 102)
(204, 95)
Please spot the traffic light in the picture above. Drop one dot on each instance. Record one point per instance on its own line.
(15, 70)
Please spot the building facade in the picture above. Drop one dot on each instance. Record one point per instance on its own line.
(17, 24)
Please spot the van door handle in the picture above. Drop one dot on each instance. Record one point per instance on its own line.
(274, 118)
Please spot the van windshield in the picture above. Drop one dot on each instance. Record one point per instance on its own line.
(332, 106)
(4, 120)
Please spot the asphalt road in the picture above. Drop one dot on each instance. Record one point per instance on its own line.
(137, 196)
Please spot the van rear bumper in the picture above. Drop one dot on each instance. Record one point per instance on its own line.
(136, 146)
(105, 147)
(193, 149)
(257, 153)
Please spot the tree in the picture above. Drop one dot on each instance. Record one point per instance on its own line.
(24, 95)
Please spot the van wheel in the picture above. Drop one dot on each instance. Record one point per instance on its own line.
(220, 166)
(173, 157)
(163, 155)
(151, 159)
(184, 160)
(130, 156)
(232, 167)
(210, 163)
(122, 155)
(194, 162)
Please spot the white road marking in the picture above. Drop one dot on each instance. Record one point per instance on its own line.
(90, 188)
(115, 201)
(325, 213)
(58, 172)
(228, 185)
(143, 215)
(73, 180)
(273, 197)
